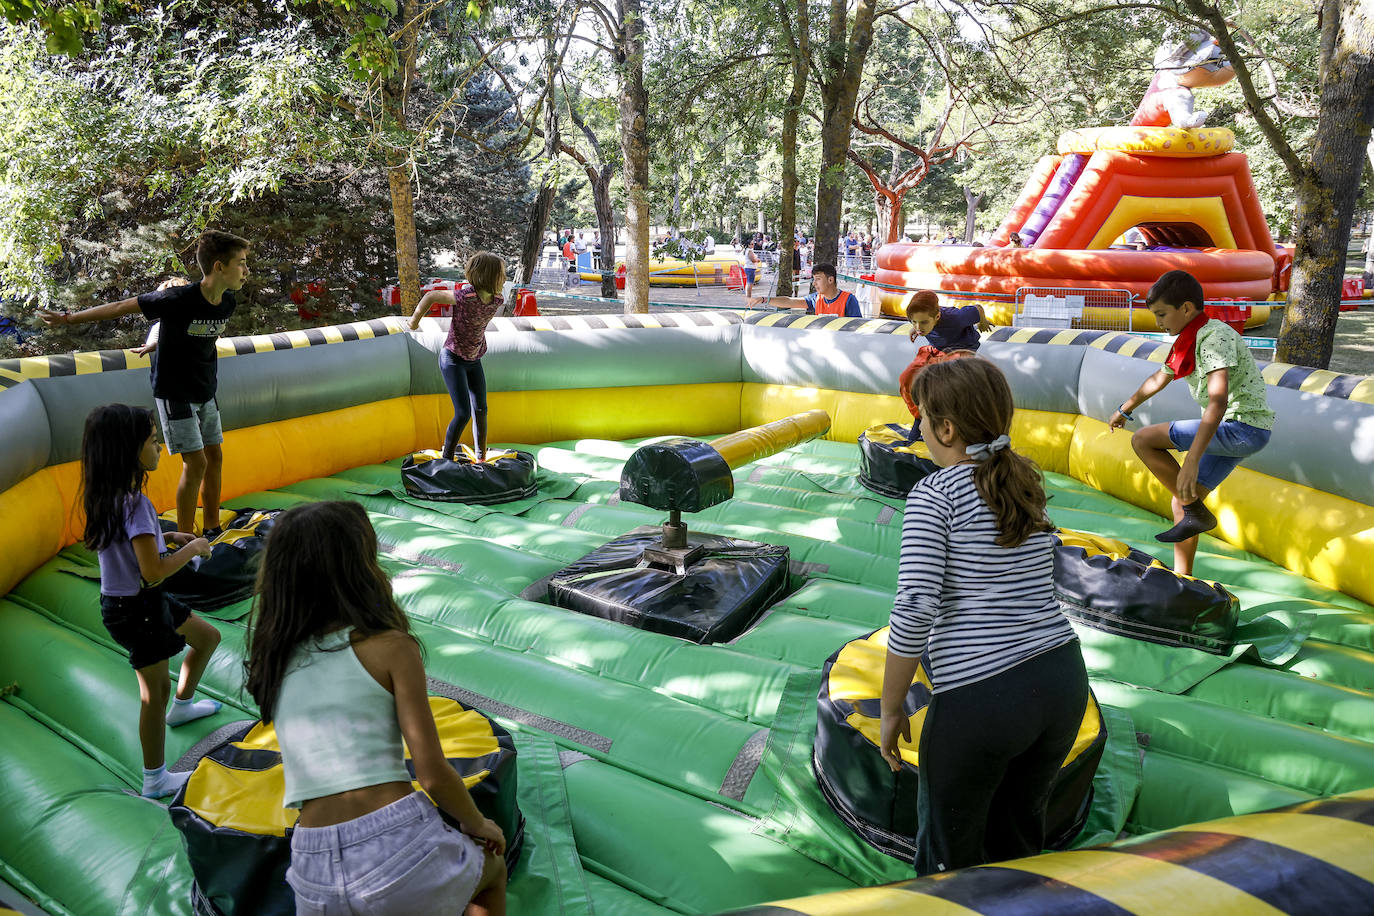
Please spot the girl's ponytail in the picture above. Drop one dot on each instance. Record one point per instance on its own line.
(974, 395)
(1010, 485)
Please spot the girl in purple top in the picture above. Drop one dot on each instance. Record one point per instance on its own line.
(118, 449)
(460, 362)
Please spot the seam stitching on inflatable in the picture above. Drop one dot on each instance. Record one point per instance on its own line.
(504, 710)
(571, 518)
(744, 766)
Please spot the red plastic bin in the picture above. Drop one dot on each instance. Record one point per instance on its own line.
(1351, 288)
(1233, 315)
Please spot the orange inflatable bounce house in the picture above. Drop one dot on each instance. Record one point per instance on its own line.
(1175, 185)
(1188, 195)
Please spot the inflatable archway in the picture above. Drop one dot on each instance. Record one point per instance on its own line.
(621, 731)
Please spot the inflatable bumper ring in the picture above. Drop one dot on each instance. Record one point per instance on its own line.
(892, 460)
(858, 783)
(502, 478)
(1112, 587)
(238, 836)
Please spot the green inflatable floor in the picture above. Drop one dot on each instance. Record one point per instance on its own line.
(657, 775)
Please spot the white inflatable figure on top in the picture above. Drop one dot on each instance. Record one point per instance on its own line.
(1181, 67)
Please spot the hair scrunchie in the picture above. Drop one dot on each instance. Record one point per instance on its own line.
(982, 451)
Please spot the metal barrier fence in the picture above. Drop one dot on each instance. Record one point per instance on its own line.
(1057, 307)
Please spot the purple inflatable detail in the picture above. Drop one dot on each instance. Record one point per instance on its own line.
(1060, 185)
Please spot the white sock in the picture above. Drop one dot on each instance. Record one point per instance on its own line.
(159, 783)
(184, 711)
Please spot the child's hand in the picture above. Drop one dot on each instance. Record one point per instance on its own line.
(143, 350)
(1117, 421)
(414, 324)
(201, 547)
(891, 727)
(179, 538)
(52, 317)
(488, 835)
(755, 300)
(1187, 482)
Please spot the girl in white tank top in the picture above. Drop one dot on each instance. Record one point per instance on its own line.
(333, 665)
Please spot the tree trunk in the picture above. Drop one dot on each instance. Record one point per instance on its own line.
(400, 163)
(605, 224)
(971, 202)
(634, 144)
(889, 206)
(533, 244)
(1325, 198)
(842, 66)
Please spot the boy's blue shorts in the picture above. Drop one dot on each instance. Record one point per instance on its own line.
(1232, 441)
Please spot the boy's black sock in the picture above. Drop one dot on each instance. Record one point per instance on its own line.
(1197, 518)
(211, 533)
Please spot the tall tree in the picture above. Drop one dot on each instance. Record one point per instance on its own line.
(841, 67)
(798, 45)
(627, 36)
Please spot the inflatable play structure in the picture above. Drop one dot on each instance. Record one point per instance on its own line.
(1175, 181)
(709, 270)
(647, 772)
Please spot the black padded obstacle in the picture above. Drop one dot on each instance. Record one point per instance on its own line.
(726, 586)
(891, 461)
(229, 574)
(1113, 587)
(238, 836)
(880, 806)
(504, 477)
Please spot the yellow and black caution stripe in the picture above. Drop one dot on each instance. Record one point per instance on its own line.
(14, 371)
(703, 319)
(1315, 857)
(798, 320)
(1112, 341)
(1282, 375)
(1320, 381)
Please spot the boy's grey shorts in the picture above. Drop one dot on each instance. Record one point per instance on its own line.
(188, 426)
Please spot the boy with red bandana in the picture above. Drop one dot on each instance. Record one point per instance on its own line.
(1236, 419)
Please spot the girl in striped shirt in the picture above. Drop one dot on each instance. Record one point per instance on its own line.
(975, 596)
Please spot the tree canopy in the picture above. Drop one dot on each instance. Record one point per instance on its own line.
(394, 136)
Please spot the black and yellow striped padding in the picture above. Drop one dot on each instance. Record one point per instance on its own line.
(237, 834)
(701, 319)
(856, 679)
(897, 438)
(424, 456)
(798, 320)
(1282, 375)
(14, 371)
(1314, 857)
(241, 787)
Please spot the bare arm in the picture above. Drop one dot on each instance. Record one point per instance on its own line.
(898, 674)
(95, 313)
(427, 300)
(781, 302)
(1148, 389)
(439, 780)
(1218, 385)
(154, 566)
(983, 324)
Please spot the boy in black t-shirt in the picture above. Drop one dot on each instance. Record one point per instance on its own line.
(185, 366)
